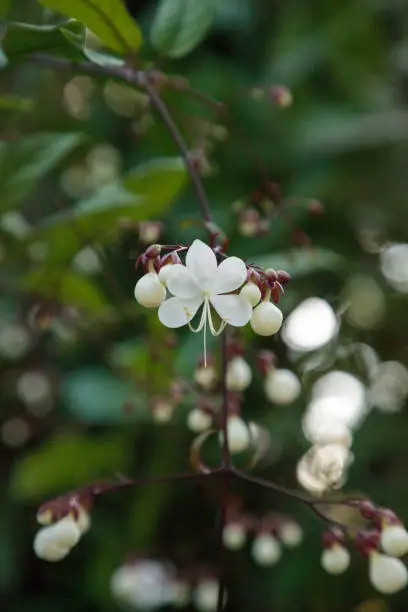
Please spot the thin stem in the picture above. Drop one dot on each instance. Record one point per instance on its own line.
(163, 111)
(226, 454)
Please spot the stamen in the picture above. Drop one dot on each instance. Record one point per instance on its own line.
(215, 332)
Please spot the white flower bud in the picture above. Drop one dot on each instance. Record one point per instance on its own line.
(335, 560)
(164, 273)
(162, 412)
(290, 534)
(53, 543)
(33, 387)
(87, 261)
(181, 594)
(198, 420)
(252, 293)
(266, 549)
(206, 595)
(239, 374)
(387, 574)
(266, 319)
(206, 377)
(282, 386)
(234, 536)
(239, 437)
(394, 540)
(149, 291)
(122, 583)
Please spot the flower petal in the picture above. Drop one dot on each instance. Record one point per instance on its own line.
(202, 264)
(233, 309)
(181, 284)
(230, 275)
(176, 313)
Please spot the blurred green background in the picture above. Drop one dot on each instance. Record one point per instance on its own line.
(73, 322)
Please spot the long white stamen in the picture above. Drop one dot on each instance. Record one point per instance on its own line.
(215, 332)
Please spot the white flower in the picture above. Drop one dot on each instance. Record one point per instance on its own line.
(335, 560)
(290, 534)
(394, 540)
(387, 574)
(149, 291)
(266, 549)
(239, 436)
(206, 595)
(282, 386)
(53, 543)
(266, 319)
(239, 374)
(252, 293)
(234, 536)
(206, 377)
(201, 282)
(198, 420)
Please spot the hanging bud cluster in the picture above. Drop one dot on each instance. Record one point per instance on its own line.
(383, 542)
(267, 536)
(149, 584)
(56, 538)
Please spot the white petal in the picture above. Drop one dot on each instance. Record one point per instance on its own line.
(233, 309)
(202, 264)
(181, 284)
(230, 275)
(176, 313)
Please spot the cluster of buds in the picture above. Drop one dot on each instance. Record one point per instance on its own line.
(149, 584)
(281, 386)
(383, 542)
(62, 528)
(268, 535)
(238, 293)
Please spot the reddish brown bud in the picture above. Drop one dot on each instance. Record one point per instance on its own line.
(283, 276)
(367, 510)
(266, 360)
(281, 96)
(334, 536)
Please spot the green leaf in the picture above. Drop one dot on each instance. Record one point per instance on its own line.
(4, 8)
(95, 395)
(146, 191)
(301, 262)
(180, 25)
(108, 19)
(67, 461)
(15, 103)
(69, 287)
(25, 162)
(64, 40)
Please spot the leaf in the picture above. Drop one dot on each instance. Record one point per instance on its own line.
(16, 103)
(4, 8)
(145, 191)
(108, 19)
(180, 25)
(69, 287)
(95, 395)
(300, 262)
(25, 162)
(67, 461)
(63, 40)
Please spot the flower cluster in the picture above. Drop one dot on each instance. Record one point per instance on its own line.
(231, 290)
(148, 584)
(268, 535)
(383, 542)
(55, 540)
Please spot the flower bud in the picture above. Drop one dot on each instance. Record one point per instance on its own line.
(266, 319)
(248, 222)
(162, 411)
(149, 291)
(206, 377)
(239, 374)
(206, 595)
(290, 534)
(234, 536)
(335, 560)
(394, 540)
(252, 293)
(266, 549)
(282, 386)
(83, 520)
(181, 594)
(53, 543)
(198, 420)
(238, 435)
(387, 574)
